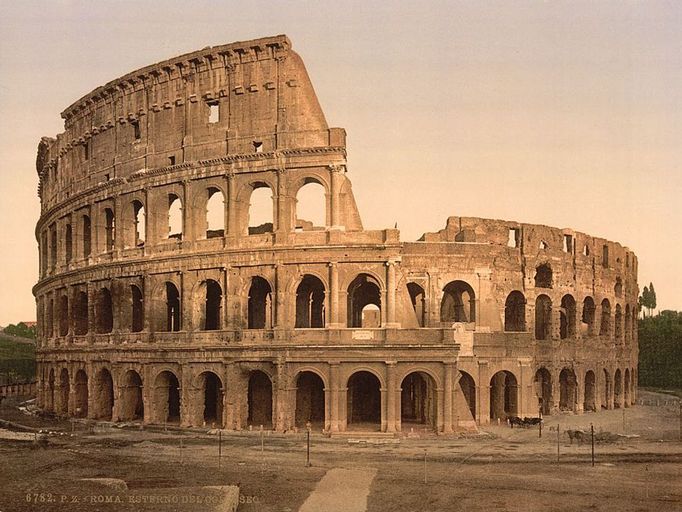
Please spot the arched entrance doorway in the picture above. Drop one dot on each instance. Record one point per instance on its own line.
(81, 388)
(543, 389)
(260, 399)
(418, 401)
(167, 398)
(589, 403)
(567, 390)
(132, 405)
(468, 387)
(212, 394)
(363, 405)
(503, 395)
(309, 400)
(104, 395)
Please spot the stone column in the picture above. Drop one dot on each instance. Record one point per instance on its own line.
(391, 295)
(483, 405)
(335, 179)
(232, 224)
(334, 397)
(334, 322)
(188, 234)
(448, 387)
(280, 319)
(391, 412)
(527, 406)
(119, 226)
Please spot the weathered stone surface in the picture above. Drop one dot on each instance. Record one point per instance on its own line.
(155, 306)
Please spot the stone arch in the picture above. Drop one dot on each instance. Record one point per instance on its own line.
(568, 387)
(132, 403)
(418, 400)
(605, 323)
(515, 312)
(458, 303)
(310, 201)
(260, 308)
(81, 394)
(167, 398)
(363, 400)
(173, 318)
(212, 394)
(543, 276)
(62, 407)
(209, 298)
(567, 320)
(362, 291)
(543, 390)
(590, 398)
(260, 212)
(260, 399)
(467, 385)
(109, 229)
(139, 223)
(175, 220)
(215, 212)
(310, 303)
(104, 311)
(418, 300)
(503, 395)
(103, 401)
(588, 315)
(543, 317)
(617, 389)
(310, 399)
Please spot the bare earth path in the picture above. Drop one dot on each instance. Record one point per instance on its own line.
(341, 490)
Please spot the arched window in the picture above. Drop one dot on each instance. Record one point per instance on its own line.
(418, 299)
(173, 312)
(213, 303)
(362, 292)
(174, 217)
(310, 312)
(215, 213)
(515, 312)
(140, 223)
(311, 206)
(80, 314)
(261, 207)
(543, 276)
(588, 314)
(543, 317)
(458, 304)
(567, 327)
(137, 313)
(260, 304)
(605, 324)
(104, 313)
(109, 228)
(618, 287)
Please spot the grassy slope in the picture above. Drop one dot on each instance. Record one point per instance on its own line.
(16, 348)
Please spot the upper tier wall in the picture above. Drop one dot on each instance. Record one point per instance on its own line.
(241, 98)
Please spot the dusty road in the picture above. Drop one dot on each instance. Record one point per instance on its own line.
(505, 469)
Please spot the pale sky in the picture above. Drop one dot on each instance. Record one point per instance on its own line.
(561, 113)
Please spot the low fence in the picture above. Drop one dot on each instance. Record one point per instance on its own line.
(28, 389)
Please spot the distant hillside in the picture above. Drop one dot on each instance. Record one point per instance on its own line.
(17, 359)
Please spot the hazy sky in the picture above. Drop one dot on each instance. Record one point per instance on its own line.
(561, 113)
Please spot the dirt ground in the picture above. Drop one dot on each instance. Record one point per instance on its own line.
(500, 469)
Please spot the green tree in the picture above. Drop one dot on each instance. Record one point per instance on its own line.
(652, 296)
(660, 350)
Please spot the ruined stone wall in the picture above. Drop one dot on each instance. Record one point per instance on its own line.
(143, 316)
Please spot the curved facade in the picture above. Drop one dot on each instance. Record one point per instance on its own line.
(161, 300)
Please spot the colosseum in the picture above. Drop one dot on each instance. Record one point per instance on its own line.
(161, 301)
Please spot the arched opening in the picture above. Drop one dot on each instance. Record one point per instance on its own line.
(371, 317)
(567, 390)
(80, 314)
(364, 290)
(68, 243)
(173, 317)
(515, 312)
(310, 311)
(418, 299)
(140, 223)
(167, 398)
(64, 391)
(174, 217)
(212, 389)
(87, 235)
(311, 206)
(626, 388)
(261, 206)
(215, 213)
(606, 391)
(543, 276)
(309, 400)
(418, 401)
(458, 303)
(618, 323)
(363, 404)
(104, 312)
(132, 405)
(260, 304)
(617, 390)
(137, 313)
(49, 401)
(605, 324)
(590, 403)
(543, 317)
(468, 388)
(618, 287)
(588, 315)
(104, 395)
(260, 399)
(503, 396)
(81, 392)
(109, 229)
(567, 326)
(543, 389)
(212, 305)
(63, 315)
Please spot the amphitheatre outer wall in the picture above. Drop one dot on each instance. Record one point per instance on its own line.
(153, 308)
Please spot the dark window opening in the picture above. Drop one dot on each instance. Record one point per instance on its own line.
(418, 400)
(568, 312)
(86, 151)
(172, 308)
(418, 299)
(568, 244)
(80, 314)
(104, 314)
(310, 311)
(543, 390)
(503, 396)
(543, 317)
(364, 400)
(136, 130)
(137, 313)
(260, 304)
(50, 318)
(132, 405)
(567, 390)
(171, 160)
(213, 303)
(543, 276)
(63, 315)
(167, 398)
(515, 312)
(81, 395)
(110, 225)
(605, 325)
(364, 291)
(260, 400)
(257, 146)
(618, 323)
(213, 399)
(514, 239)
(605, 256)
(458, 304)
(589, 309)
